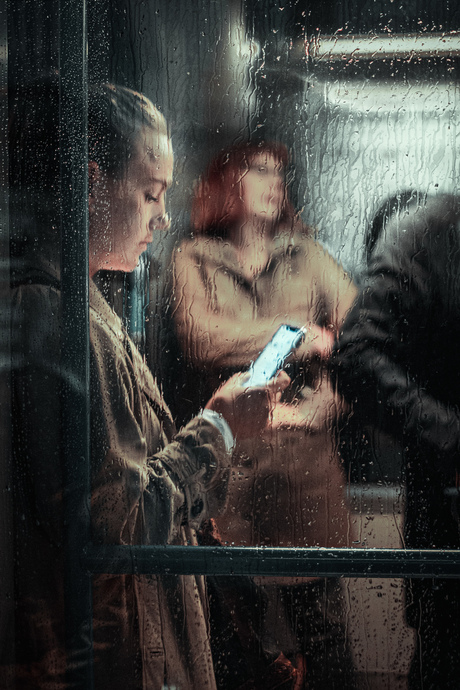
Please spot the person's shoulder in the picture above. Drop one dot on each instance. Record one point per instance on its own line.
(425, 236)
(105, 326)
(36, 296)
(35, 318)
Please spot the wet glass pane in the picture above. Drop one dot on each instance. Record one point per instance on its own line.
(313, 185)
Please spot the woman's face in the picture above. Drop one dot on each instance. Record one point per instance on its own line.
(125, 212)
(263, 188)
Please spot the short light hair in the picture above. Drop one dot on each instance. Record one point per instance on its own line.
(116, 117)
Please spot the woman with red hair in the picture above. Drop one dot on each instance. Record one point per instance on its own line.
(251, 266)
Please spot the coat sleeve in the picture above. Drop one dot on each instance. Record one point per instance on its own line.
(380, 359)
(146, 486)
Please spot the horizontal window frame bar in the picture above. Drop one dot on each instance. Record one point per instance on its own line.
(276, 561)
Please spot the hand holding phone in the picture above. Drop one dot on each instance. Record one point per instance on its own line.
(271, 359)
(247, 410)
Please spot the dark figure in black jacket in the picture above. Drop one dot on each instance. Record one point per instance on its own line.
(398, 363)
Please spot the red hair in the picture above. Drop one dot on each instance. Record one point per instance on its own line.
(217, 204)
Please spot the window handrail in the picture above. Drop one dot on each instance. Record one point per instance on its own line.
(271, 561)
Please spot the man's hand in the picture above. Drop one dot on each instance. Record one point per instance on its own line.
(247, 409)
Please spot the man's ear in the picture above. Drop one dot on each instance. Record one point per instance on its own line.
(94, 175)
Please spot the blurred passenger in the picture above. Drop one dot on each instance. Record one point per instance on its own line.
(250, 267)
(394, 208)
(370, 454)
(397, 363)
(149, 484)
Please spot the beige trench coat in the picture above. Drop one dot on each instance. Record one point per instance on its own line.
(145, 490)
(287, 488)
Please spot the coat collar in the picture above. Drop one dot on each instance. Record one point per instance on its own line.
(104, 311)
(222, 252)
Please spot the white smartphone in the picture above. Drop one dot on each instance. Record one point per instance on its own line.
(274, 354)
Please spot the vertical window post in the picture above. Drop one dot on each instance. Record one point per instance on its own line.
(73, 75)
(6, 511)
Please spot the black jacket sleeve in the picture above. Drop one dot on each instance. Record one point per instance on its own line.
(396, 359)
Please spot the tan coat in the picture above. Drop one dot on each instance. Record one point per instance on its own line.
(288, 486)
(149, 632)
(144, 491)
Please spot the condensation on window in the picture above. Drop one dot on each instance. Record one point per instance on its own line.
(315, 185)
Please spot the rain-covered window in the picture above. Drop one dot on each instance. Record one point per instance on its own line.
(184, 184)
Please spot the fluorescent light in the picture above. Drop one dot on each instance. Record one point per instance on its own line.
(380, 46)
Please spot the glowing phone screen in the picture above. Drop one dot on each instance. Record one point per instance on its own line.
(274, 354)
